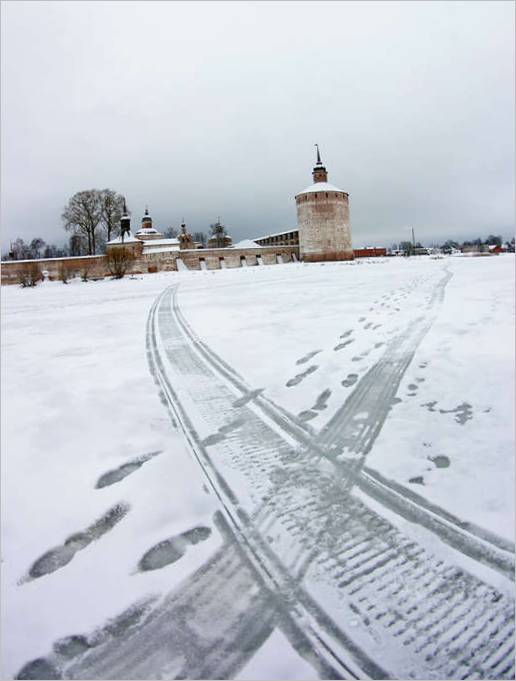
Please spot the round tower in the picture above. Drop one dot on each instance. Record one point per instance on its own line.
(323, 219)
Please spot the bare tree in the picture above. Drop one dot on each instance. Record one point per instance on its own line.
(20, 250)
(201, 238)
(118, 261)
(170, 233)
(76, 245)
(36, 245)
(30, 275)
(111, 210)
(82, 216)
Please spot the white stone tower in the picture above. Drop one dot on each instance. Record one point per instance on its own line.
(323, 219)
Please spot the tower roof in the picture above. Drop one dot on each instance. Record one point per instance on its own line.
(321, 187)
(146, 217)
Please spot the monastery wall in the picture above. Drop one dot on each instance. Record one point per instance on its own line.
(214, 259)
(95, 264)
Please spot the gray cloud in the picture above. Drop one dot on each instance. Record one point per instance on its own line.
(203, 109)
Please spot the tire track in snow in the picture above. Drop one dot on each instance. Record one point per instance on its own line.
(239, 455)
(464, 536)
(331, 536)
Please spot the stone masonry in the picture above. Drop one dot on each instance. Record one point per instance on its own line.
(323, 220)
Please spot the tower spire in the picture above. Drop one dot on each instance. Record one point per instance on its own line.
(319, 172)
(319, 162)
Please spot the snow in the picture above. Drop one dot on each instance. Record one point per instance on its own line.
(163, 249)
(320, 187)
(264, 329)
(246, 243)
(128, 239)
(163, 242)
(276, 660)
(147, 230)
(285, 231)
(79, 401)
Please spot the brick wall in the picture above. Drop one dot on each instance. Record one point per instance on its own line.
(323, 223)
(369, 252)
(154, 262)
(96, 265)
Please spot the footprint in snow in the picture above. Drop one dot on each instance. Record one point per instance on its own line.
(321, 402)
(306, 415)
(242, 401)
(346, 333)
(39, 669)
(69, 647)
(61, 555)
(171, 550)
(220, 435)
(350, 380)
(343, 345)
(308, 356)
(440, 461)
(297, 379)
(111, 477)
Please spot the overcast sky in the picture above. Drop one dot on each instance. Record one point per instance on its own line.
(207, 109)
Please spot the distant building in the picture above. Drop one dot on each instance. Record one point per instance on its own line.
(185, 239)
(146, 230)
(289, 237)
(219, 238)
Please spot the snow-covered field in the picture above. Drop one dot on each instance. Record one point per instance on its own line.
(79, 402)
(264, 326)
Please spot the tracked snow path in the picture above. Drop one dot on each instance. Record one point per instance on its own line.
(178, 638)
(308, 548)
(303, 524)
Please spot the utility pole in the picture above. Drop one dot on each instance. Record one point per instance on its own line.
(413, 242)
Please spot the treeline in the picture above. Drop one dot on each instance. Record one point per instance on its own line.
(450, 244)
(38, 248)
(92, 218)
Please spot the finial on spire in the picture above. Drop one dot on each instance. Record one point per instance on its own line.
(319, 162)
(146, 209)
(125, 207)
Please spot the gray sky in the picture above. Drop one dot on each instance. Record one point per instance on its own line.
(203, 109)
